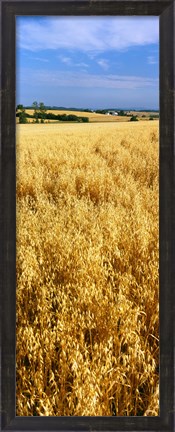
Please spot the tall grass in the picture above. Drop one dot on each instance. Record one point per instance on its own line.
(87, 270)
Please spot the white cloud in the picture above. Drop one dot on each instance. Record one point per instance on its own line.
(86, 80)
(66, 60)
(151, 60)
(69, 62)
(40, 59)
(88, 34)
(81, 64)
(103, 63)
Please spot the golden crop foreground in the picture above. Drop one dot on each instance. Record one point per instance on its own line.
(87, 270)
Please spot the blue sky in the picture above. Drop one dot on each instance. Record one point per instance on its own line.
(88, 62)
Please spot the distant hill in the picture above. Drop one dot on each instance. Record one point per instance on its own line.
(61, 108)
(57, 108)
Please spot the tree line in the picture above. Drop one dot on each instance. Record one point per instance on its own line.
(40, 115)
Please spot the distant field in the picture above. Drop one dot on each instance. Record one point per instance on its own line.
(87, 332)
(93, 117)
(144, 113)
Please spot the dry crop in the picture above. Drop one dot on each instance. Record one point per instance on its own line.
(87, 270)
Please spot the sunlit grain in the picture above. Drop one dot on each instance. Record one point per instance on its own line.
(87, 269)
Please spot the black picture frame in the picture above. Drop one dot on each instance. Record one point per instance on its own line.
(165, 9)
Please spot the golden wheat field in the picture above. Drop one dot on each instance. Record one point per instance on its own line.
(87, 335)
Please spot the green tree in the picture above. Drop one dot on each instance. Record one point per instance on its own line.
(39, 112)
(134, 118)
(36, 112)
(23, 116)
(42, 112)
(85, 119)
(19, 107)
